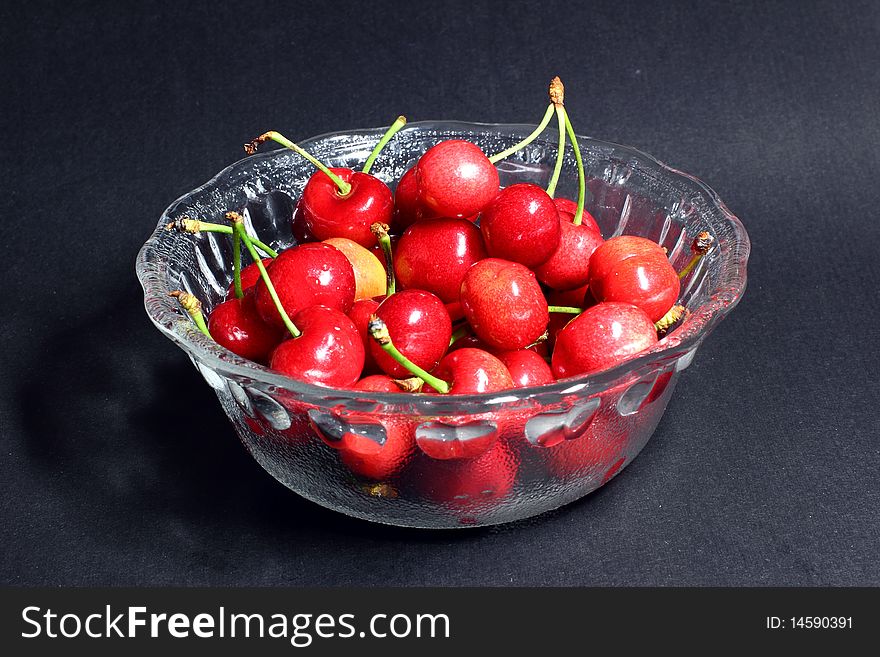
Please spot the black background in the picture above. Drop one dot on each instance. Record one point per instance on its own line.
(118, 466)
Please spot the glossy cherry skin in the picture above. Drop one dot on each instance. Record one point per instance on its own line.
(435, 254)
(307, 275)
(455, 310)
(419, 327)
(522, 225)
(249, 276)
(299, 228)
(377, 383)
(327, 213)
(360, 314)
(612, 252)
(569, 266)
(568, 208)
(369, 272)
(455, 179)
(236, 325)
(579, 297)
(408, 209)
(472, 371)
(471, 341)
(503, 303)
(328, 353)
(646, 281)
(526, 368)
(554, 326)
(601, 337)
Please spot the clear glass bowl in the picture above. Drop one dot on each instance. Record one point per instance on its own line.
(544, 446)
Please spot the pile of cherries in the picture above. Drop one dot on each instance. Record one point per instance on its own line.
(448, 285)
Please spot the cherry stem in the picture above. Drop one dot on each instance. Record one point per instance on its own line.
(238, 225)
(379, 332)
(701, 245)
(380, 230)
(251, 148)
(236, 264)
(560, 153)
(582, 180)
(193, 308)
(671, 317)
(392, 130)
(412, 384)
(528, 140)
(195, 226)
(459, 333)
(565, 309)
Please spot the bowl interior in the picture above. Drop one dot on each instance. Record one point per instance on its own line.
(629, 192)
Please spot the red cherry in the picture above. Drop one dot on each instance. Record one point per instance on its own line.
(360, 314)
(612, 252)
(455, 310)
(371, 447)
(555, 325)
(569, 266)
(470, 483)
(579, 297)
(455, 179)
(371, 460)
(526, 368)
(471, 371)
(327, 213)
(407, 207)
(601, 337)
(299, 228)
(503, 303)
(307, 275)
(469, 341)
(646, 281)
(418, 325)
(600, 446)
(568, 208)
(236, 325)
(329, 352)
(434, 255)
(521, 224)
(249, 276)
(377, 383)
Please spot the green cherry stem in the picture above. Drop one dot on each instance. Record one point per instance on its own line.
(565, 309)
(379, 332)
(554, 179)
(392, 130)
(582, 182)
(701, 245)
(236, 264)
(671, 317)
(459, 333)
(195, 226)
(528, 140)
(380, 230)
(193, 308)
(238, 225)
(251, 147)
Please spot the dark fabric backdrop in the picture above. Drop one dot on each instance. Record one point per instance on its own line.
(118, 466)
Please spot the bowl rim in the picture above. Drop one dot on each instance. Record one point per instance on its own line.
(685, 338)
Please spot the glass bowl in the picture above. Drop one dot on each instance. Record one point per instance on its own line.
(378, 456)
